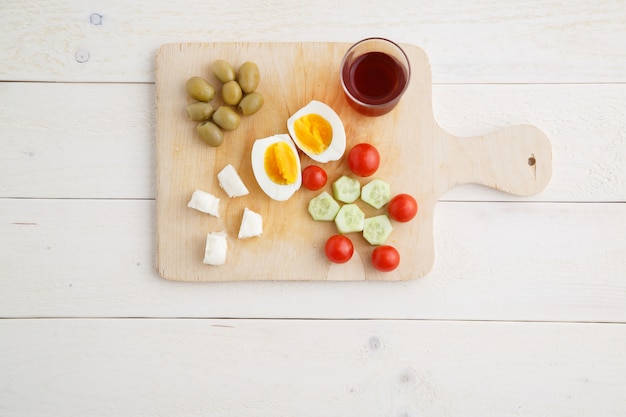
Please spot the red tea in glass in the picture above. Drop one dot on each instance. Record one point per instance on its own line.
(375, 73)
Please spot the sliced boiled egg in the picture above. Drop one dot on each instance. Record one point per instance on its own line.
(318, 131)
(276, 166)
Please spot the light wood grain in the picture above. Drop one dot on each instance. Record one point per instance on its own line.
(77, 140)
(100, 142)
(474, 42)
(495, 261)
(77, 226)
(585, 125)
(417, 157)
(338, 368)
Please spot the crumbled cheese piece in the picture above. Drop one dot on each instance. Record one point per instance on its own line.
(215, 249)
(251, 224)
(231, 182)
(205, 202)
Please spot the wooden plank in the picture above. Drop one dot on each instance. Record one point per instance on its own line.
(584, 124)
(528, 41)
(100, 144)
(310, 368)
(494, 261)
(77, 140)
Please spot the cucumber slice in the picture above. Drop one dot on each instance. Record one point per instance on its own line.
(323, 207)
(349, 219)
(377, 229)
(346, 189)
(376, 193)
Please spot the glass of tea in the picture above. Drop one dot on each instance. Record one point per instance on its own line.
(375, 72)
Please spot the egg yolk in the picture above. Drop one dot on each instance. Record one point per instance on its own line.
(280, 163)
(313, 133)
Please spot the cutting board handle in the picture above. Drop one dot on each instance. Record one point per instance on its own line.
(516, 160)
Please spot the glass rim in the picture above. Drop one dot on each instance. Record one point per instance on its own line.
(385, 40)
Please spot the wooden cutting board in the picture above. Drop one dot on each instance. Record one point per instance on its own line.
(417, 157)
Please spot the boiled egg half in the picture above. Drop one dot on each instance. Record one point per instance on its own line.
(276, 166)
(318, 132)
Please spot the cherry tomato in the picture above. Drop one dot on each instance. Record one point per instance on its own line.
(385, 258)
(314, 178)
(363, 159)
(402, 208)
(339, 249)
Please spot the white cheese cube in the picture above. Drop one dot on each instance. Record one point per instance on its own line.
(251, 224)
(215, 249)
(205, 202)
(231, 182)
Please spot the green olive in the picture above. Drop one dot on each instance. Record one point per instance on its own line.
(210, 133)
(251, 103)
(248, 77)
(231, 93)
(200, 89)
(200, 111)
(223, 70)
(226, 118)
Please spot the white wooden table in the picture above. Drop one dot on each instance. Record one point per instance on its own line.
(523, 313)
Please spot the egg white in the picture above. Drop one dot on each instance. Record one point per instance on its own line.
(337, 146)
(278, 192)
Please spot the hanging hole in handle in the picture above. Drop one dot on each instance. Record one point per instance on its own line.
(531, 160)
